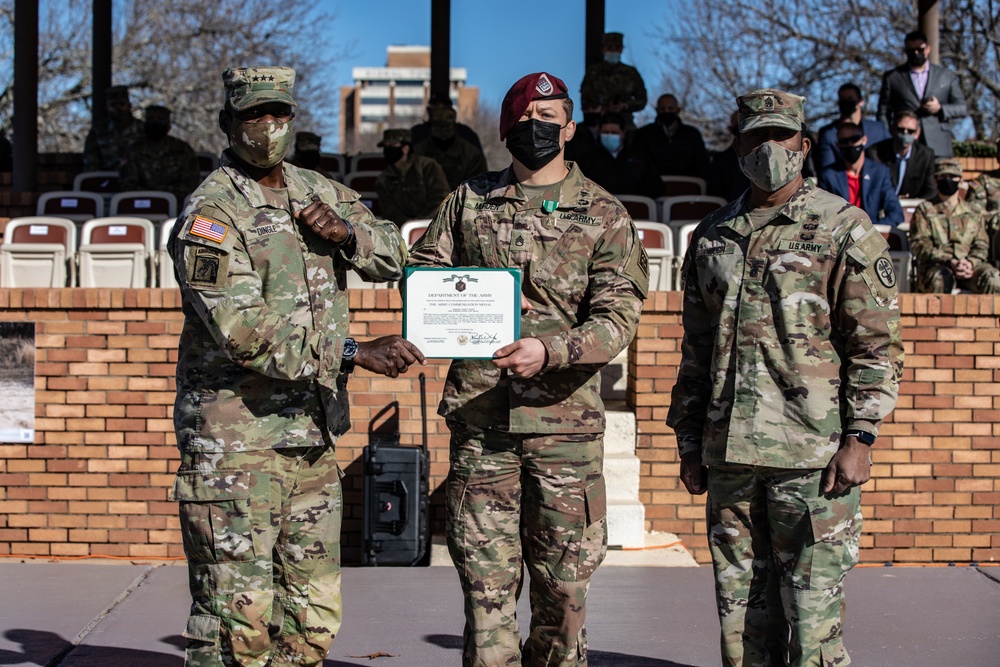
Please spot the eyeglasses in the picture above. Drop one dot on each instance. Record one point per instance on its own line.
(905, 130)
(848, 141)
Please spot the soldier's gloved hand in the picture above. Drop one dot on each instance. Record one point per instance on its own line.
(525, 357)
(850, 466)
(324, 221)
(693, 474)
(388, 355)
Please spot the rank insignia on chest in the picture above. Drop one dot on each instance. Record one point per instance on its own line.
(519, 241)
(548, 205)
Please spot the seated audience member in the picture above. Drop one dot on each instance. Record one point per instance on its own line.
(984, 194)
(308, 152)
(948, 238)
(621, 167)
(422, 131)
(587, 139)
(158, 161)
(864, 183)
(676, 149)
(105, 146)
(458, 158)
(910, 163)
(411, 186)
(850, 106)
(725, 178)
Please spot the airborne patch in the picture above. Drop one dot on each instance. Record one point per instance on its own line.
(207, 267)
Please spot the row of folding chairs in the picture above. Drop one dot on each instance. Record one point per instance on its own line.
(669, 209)
(81, 206)
(120, 251)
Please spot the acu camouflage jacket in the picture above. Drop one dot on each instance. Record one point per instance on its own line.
(585, 274)
(791, 334)
(265, 311)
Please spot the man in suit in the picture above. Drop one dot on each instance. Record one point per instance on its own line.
(931, 91)
(850, 106)
(675, 148)
(910, 163)
(864, 183)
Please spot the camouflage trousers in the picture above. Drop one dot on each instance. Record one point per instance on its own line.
(535, 500)
(940, 279)
(780, 551)
(262, 538)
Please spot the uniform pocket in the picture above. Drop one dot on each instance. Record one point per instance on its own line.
(835, 524)
(215, 513)
(594, 541)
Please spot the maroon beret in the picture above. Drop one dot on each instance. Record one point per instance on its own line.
(537, 86)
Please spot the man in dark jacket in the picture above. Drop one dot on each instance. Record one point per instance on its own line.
(621, 167)
(675, 148)
(863, 183)
(910, 163)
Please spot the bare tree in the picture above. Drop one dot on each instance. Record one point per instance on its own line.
(173, 53)
(724, 48)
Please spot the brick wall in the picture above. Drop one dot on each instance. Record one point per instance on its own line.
(96, 479)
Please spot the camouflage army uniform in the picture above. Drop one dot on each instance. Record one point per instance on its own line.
(170, 165)
(791, 336)
(527, 454)
(105, 148)
(939, 235)
(260, 403)
(613, 82)
(984, 194)
(459, 159)
(414, 191)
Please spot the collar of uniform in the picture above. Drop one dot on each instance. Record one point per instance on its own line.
(254, 193)
(794, 210)
(507, 188)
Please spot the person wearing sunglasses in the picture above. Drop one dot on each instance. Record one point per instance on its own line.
(910, 163)
(950, 241)
(850, 107)
(866, 184)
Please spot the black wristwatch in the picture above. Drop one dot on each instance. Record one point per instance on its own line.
(864, 436)
(350, 351)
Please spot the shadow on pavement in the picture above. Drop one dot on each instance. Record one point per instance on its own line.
(594, 658)
(41, 648)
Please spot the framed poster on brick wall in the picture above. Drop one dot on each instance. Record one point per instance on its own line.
(17, 381)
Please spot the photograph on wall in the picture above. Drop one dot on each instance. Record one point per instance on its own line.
(17, 381)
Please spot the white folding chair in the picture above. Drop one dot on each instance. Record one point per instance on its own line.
(153, 205)
(164, 263)
(677, 186)
(38, 251)
(368, 162)
(639, 207)
(116, 252)
(688, 207)
(73, 205)
(96, 181)
(658, 242)
(412, 230)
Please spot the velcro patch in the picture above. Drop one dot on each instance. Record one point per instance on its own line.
(804, 246)
(210, 229)
(581, 218)
(712, 250)
(207, 267)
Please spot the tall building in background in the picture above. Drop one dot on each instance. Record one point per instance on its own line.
(395, 96)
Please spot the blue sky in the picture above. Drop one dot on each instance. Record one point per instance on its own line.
(500, 42)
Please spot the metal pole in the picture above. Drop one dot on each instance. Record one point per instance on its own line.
(25, 140)
(103, 43)
(594, 31)
(929, 21)
(440, 47)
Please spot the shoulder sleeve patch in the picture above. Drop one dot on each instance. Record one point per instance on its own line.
(868, 248)
(209, 228)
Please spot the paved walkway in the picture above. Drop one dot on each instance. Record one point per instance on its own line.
(110, 615)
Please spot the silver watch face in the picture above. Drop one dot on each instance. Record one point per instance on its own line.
(350, 348)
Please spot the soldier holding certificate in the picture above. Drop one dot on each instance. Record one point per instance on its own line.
(526, 483)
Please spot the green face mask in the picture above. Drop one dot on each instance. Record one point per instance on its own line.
(770, 166)
(261, 144)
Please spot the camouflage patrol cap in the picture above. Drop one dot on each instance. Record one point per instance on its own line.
(116, 94)
(615, 39)
(307, 141)
(948, 167)
(771, 108)
(399, 136)
(251, 86)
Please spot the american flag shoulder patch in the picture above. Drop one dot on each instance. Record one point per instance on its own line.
(206, 228)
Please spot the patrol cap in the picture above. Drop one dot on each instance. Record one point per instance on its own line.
(116, 94)
(614, 39)
(537, 86)
(771, 108)
(307, 141)
(398, 136)
(948, 167)
(157, 112)
(251, 86)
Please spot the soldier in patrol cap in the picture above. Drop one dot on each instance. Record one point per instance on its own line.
(105, 146)
(411, 186)
(526, 484)
(619, 85)
(458, 158)
(790, 361)
(159, 161)
(261, 254)
(950, 239)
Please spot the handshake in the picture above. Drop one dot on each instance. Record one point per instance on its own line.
(388, 355)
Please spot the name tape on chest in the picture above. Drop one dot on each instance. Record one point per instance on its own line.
(487, 206)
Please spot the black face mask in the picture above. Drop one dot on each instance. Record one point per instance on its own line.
(443, 144)
(392, 154)
(667, 118)
(947, 187)
(916, 59)
(847, 107)
(591, 118)
(534, 143)
(852, 153)
(307, 159)
(155, 131)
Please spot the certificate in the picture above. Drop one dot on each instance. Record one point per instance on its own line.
(461, 313)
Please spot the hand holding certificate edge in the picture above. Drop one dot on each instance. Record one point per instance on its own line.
(526, 356)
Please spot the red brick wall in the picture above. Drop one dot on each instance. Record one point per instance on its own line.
(96, 479)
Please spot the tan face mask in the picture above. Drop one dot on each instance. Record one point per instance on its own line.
(261, 144)
(770, 166)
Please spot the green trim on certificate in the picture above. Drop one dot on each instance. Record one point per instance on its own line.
(461, 312)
